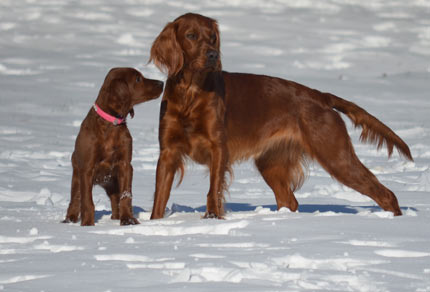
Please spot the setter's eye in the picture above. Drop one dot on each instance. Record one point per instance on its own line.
(139, 79)
(191, 36)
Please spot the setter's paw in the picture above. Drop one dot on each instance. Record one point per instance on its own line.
(129, 221)
(210, 215)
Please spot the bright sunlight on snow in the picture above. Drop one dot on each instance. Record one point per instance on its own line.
(54, 55)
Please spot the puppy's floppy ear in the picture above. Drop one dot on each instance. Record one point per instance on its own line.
(120, 97)
(119, 88)
(166, 52)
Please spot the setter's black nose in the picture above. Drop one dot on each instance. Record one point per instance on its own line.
(212, 55)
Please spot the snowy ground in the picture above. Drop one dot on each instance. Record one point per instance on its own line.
(54, 55)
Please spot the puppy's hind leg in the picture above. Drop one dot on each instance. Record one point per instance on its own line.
(87, 204)
(73, 210)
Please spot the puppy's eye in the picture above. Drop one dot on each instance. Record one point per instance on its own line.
(213, 39)
(139, 79)
(191, 36)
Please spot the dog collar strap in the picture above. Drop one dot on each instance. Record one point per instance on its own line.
(108, 117)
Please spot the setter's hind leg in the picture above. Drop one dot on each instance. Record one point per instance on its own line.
(331, 146)
(281, 168)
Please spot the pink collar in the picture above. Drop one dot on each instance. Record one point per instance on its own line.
(108, 117)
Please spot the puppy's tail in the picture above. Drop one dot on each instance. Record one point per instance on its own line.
(374, 131)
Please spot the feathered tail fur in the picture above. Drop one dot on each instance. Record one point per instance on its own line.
(373, 130)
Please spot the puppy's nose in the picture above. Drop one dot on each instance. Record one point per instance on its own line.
(160, 84)
(212, 55)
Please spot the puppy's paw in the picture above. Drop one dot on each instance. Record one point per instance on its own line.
(71, 219)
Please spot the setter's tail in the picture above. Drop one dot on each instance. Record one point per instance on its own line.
(374, 131)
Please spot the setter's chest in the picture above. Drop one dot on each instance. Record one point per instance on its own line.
(190, 129)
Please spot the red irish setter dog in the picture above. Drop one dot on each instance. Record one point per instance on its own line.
(217, 118)
(103, 148)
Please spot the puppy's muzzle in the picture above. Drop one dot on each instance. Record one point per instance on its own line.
(160, 84)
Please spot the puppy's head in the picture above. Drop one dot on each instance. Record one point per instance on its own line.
(123, 88)
(190, 42)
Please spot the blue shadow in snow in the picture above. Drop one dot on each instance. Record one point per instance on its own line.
(243, 207)
(305, 208)
(100, 214)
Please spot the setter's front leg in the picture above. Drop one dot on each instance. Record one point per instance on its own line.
(218, 167)
(168, 163)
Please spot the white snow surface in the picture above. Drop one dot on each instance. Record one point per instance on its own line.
(54, 55)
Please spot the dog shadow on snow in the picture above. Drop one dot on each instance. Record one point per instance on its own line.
(99, 214)
(304, 208)
(243, 207)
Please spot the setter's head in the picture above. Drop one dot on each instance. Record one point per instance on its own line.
(191, 42)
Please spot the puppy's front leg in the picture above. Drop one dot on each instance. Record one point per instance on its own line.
(125, 177)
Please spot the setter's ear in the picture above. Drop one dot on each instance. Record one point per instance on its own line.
(166, 52)
(218, 38)
(218, 43)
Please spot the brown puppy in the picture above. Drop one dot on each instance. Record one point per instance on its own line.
(218, 118)
(103, 148)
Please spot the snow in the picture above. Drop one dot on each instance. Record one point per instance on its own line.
(54, 55)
